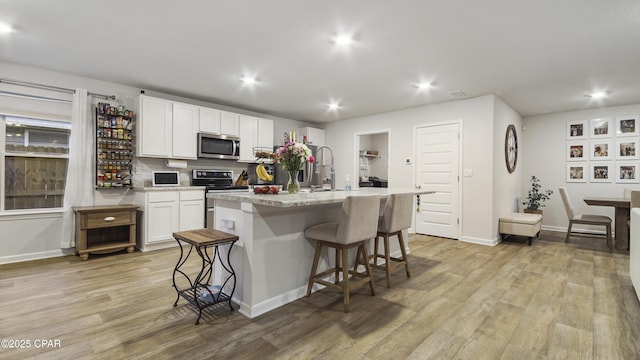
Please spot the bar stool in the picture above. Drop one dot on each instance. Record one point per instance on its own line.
(396, 217)
(356, 224)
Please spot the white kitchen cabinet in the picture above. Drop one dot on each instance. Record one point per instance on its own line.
(219, 122)
(265, 133)
(229, 123)
(185, 131)
(154, 126)
(209, 120)
(248, 137)
(314, 136)
(166, 129)
(191, 210)
(254, 132)
(165, 212)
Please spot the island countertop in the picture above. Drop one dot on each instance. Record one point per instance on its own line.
(285, 200)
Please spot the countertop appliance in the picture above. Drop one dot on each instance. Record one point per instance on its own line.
(212, 146)
(215, 181)
(165, 178)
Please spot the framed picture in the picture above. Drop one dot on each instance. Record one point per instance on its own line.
(601, 172)
(627, 125)
(577, 150)
(627, 172)
(576, 173)
(626, 149)
(577, 130)
(601, 128)
(601, 149)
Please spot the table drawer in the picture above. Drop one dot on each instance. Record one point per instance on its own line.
(115, 218)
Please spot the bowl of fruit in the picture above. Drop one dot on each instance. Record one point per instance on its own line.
(266, 189)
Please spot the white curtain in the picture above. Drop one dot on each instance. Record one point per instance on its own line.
(79, 185)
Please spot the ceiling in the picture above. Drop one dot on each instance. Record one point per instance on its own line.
(538, 56)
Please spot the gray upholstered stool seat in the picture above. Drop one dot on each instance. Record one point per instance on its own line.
(396, 217)
(357, 223)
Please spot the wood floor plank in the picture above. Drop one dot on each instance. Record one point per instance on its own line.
(466, 301)
(569, 343)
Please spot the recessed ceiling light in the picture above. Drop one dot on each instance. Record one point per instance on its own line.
(344, 39)
(248, 80)
(333, 106)
(598, 94)
(423, 85)
(5, 28)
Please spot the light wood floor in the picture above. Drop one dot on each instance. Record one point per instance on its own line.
(548, 301)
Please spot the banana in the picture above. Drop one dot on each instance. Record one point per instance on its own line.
(262, 173)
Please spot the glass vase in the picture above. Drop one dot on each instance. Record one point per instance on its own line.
(293, 186)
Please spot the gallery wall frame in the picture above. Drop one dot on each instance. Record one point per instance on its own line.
(577, 130)
(577, 172)
(627, 125)
(627, 172)
(601, 150)
(601, 128)
(600, 172)
(626, 149)
(577, 150)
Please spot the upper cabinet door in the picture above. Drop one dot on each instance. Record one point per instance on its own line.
(265, 133)
(229, 123)
(154, 129)
(248, 137)
(185, 131)
(210, 120)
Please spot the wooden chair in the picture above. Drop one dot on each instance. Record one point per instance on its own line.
(356, 225)
(396, 217)
(585, 219)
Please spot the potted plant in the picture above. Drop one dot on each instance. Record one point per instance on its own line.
(536, 197)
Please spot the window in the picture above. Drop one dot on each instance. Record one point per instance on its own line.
(35, 162)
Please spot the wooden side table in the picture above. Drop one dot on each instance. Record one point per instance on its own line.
(105, 229)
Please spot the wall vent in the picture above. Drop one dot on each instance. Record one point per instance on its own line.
(457, 94)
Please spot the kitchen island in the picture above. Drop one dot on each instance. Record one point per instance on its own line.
(273, 258)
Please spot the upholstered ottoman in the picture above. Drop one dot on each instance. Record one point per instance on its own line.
(521, 224)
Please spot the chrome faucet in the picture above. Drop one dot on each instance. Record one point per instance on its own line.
(331, 167)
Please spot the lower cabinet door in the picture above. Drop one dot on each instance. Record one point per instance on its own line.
(192, 215)
(162, 221)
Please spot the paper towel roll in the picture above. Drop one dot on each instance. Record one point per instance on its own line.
(181, 164)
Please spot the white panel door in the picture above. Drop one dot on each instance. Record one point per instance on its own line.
(437, 169)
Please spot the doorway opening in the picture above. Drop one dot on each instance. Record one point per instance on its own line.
(372, 152)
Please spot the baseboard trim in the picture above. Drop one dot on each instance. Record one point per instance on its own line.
(36, 256)
(480, 241)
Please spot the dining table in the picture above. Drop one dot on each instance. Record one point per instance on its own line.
(622, 209)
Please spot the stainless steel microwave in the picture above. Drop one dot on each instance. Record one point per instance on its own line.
(212, 146)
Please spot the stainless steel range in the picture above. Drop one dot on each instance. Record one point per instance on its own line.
(215, 181)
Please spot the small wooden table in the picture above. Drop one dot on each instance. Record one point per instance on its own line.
(200, 292)
(622, 209)
(105, 229)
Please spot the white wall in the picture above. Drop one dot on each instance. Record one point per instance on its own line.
(36, 236)
(543, 150)
(506, 187)
(477, 115)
